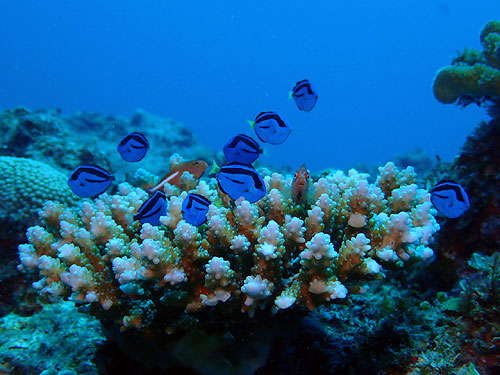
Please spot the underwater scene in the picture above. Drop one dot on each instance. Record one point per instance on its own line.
(243, 188)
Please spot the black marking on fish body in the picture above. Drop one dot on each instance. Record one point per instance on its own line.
(236, 181)
(443, 184)
(220, 185)
(91, 169)
(139, 137)
(145, 216)
(221, 188)
(446, 181)
(262, 140)
(148, 205)
(200, 199)
(303, 84)
(450, 185)
(264, 113)
(237, 164)
(91, 180)
(441, 196)
(271, 116)
(266, 116)
(246, 140)
(248, 151)
(234, 169)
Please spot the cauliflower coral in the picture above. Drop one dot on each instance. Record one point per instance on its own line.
(273, 255)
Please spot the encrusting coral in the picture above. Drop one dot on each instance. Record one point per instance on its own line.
(474, 76)
(273, 255)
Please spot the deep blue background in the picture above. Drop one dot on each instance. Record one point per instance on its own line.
(215, 64)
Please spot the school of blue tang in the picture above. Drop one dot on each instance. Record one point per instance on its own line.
(237, 178)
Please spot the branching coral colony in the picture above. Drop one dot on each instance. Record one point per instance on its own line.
(272, 255)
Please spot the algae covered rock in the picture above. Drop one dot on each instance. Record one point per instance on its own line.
(65, 141)
(474, 76)
(44, 135)
(477, 169)
(166, 137)
(57, 340)
(490, 39)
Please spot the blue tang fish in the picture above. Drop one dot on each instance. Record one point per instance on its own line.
(450, 198)
(270, 128)
(133, 147)
(242, 149)
(152, 209)
(88, 181)
(241, 180)
(304, 95)
(195, 209)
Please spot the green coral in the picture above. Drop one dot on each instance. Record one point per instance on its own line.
(474, 74)
(26, 185)
(478, 80)
(490, 40)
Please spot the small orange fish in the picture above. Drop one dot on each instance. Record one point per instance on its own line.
(195, 167)
(300, 185)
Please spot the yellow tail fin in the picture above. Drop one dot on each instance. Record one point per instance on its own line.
(215, 168)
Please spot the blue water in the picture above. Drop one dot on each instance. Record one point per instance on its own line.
(215, 64)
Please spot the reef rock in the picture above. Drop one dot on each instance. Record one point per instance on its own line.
(474, 76)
